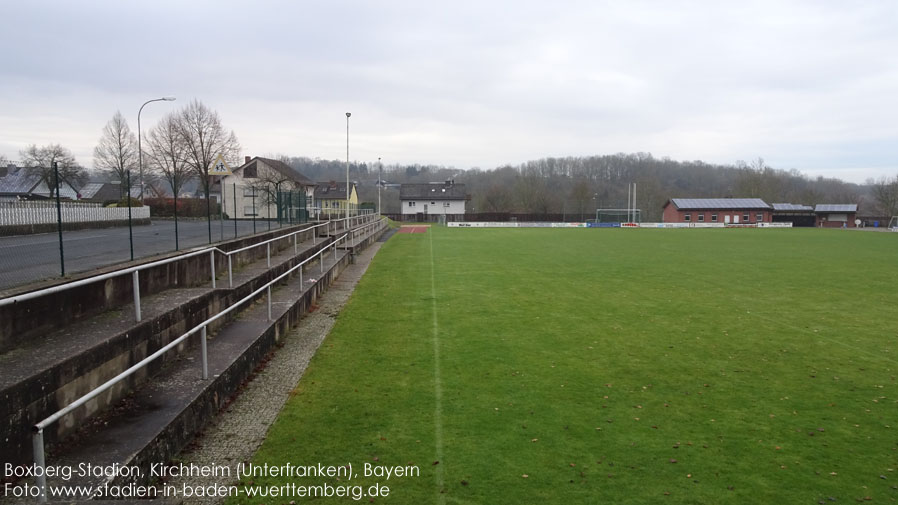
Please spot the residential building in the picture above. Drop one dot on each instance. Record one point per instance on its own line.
(433, 199)
(265, 188)
(330, 198)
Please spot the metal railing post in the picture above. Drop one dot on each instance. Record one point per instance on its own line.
(268, 253)
(269, 303)
(212, 265)
(230, 273)
(321, 259)
(300, 278)
(40, 480)
(135, 281)
(204, 352)
(295, 236)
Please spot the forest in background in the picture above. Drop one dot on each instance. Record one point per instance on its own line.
(579, 185)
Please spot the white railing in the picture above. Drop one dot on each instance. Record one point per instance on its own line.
(38, 437)
(28, 213)
(134, 271)
(38, 428)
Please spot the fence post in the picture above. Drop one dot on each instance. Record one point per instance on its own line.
(135, 280)
(300, 278)
(269, 302)
(295, 236)
(59, 226)
(230, 273)
(212, 266)
(204, 352)
(268, 253)
(37, 444)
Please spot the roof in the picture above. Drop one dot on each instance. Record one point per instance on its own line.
(280, 167)
(794, 207)
(719, 203)
(18, 182)
(829, 207)
(331, 190)
(432, 191)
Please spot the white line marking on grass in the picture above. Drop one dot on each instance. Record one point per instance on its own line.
(437, 382)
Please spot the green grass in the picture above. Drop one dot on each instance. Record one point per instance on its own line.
(611, 366)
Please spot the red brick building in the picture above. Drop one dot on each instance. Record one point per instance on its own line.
(836, 216)
(717, 210)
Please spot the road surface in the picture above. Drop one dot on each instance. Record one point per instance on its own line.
(29, 258)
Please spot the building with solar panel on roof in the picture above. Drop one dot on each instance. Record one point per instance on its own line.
(836, 215)
(798, 215)
(717, 210)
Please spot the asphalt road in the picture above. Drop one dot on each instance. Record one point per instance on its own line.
(30, 258)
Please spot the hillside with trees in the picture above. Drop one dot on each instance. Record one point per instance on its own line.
(576, 186)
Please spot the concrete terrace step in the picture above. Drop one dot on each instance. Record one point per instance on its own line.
(47, 373)
(163, 415)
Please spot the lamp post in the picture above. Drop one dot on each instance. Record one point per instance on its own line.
(347, 168)
(380, 181)
(139, 150)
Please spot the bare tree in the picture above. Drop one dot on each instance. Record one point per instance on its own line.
(204, 140)
(39, 161)
(581, 194)
(117, 149)
(885, 193)
(166, 154)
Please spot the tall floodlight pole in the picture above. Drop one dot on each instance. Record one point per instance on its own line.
(347, 167)
(380, 181)
(634, 203)
(139, 150)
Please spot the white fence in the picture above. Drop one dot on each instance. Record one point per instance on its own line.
(29, 213)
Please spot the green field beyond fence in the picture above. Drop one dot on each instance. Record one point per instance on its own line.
(532, 366)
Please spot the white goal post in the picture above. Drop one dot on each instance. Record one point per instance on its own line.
(893, 223)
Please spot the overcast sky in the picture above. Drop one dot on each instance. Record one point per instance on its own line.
(806, 85)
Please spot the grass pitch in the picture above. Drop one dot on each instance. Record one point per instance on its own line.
(610, 366)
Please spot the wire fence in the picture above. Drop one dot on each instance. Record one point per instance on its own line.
(40, 240)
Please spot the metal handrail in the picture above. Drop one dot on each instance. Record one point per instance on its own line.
(38, 428)
(135, 269)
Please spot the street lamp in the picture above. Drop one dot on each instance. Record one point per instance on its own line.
(380, 181)
(139, 150)
(347, 168)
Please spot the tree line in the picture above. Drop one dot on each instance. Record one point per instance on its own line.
(184, 143)
(577, 186)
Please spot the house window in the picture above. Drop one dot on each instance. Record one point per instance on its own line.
(687, 217)
(759, 217)
(713, 218)
(746, 217)
(249, 210)
(249, 191)
(446, 204)
(701, 218)
(411, 204)
(433, 203)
